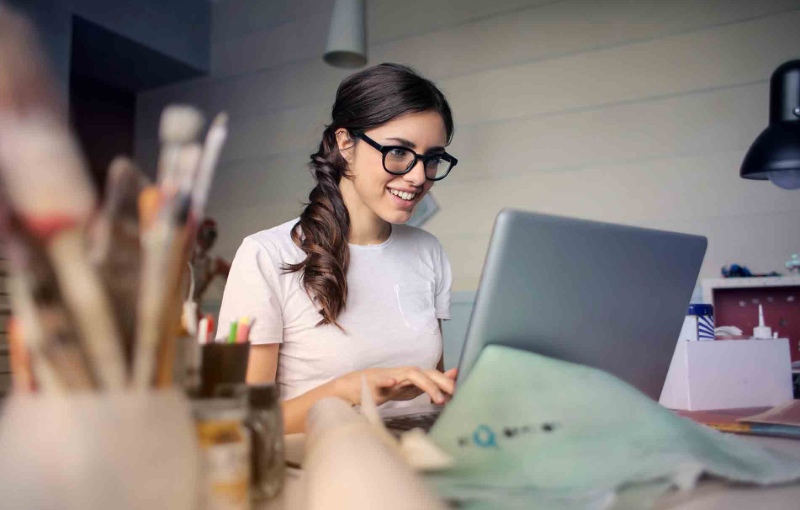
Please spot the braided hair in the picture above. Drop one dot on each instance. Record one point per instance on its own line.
(364, 100)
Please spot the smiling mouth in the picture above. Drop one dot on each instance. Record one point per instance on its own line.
(403, 194)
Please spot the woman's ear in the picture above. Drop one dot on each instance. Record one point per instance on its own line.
(345, 143)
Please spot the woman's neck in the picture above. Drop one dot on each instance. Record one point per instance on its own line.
(366, 231)
(366, 227)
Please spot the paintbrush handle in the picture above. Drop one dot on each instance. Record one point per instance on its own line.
(27, 332)
(83, 293)
(172, 324)
(70, 364)
(151, 302)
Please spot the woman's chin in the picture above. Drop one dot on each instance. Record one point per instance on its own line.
(398, 217)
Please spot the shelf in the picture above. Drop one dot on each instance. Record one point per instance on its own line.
(709, 284)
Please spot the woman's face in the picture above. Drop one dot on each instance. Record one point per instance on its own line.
(374, 191)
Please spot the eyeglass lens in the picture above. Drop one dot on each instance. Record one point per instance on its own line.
(399, 160)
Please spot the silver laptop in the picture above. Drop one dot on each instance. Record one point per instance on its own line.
(608, 296)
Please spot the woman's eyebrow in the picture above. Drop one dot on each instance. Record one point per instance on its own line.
(403, 142)
(412, 145)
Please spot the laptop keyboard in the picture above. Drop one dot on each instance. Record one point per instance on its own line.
(422, 421)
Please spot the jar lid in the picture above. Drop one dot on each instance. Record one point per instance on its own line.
(700, 309)
(219, 409)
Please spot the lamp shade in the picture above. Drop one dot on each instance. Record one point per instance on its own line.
(775, 155)
(347, 36)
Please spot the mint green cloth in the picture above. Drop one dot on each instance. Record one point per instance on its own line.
(527, 431)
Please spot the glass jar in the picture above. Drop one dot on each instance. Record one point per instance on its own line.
(225, 451)
(265, 421)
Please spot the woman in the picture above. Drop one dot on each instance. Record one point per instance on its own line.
(347, 291)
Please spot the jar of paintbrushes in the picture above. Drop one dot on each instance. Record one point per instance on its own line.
(95, 292)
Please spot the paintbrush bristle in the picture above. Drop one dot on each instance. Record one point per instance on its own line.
(220, 120)
(43, 168)
(180, 124)
(26, 83)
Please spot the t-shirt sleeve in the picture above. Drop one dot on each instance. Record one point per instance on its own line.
(252, 290)
(444, 280)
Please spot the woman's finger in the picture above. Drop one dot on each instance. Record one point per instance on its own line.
(452, 373)
(384, 381)
(445, 383)
(426, 384)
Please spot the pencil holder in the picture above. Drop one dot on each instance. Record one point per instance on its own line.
(222, 364)
(95, 451)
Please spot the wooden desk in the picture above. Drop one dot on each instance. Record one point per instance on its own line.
(708, 495)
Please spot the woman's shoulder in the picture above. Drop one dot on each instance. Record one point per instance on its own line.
(275, 241)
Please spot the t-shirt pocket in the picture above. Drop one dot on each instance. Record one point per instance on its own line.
(416, 305)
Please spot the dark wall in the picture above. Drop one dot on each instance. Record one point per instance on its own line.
(104, 52)
(104, 119)
(179, 30)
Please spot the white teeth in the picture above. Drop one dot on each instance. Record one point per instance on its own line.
(403, 194)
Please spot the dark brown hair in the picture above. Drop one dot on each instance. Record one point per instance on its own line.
(364, 100)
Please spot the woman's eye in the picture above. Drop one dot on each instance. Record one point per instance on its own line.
(398, 153)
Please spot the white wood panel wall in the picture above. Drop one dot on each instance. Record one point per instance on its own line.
(632, 111)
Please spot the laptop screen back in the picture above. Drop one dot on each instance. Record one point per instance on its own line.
(608, 296)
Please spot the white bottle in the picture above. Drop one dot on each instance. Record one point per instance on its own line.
(762, 332)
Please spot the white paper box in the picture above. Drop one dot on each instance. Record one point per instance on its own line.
(728, 374)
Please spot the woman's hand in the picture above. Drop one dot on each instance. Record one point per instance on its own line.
(402, 383)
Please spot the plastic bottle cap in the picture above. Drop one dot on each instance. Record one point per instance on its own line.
(700, 309)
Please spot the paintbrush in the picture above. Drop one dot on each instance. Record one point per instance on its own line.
(46, 327)
(23, 355)
(179, 127)
(200, 185)
(215, 139)
(49, 189)
(114, 245)
(178, 258)
(54, 206)
(25, 82)
(19, 358)
(118, 215)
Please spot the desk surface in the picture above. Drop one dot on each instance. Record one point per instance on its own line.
(709, 494)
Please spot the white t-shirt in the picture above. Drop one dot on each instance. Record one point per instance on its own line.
(396, 292)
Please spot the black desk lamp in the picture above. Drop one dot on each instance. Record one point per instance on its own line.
(775, 155)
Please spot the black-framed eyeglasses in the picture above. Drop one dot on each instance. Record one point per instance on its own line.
(399, 160)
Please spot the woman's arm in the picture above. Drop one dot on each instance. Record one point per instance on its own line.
(262, 363)
(386, 383)
(262, 367)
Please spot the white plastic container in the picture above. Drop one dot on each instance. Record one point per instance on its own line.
(728, 374)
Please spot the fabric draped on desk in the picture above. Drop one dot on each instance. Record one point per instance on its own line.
(527, 431)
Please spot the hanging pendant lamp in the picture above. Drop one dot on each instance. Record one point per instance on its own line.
(775, 155)
(347, 36)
